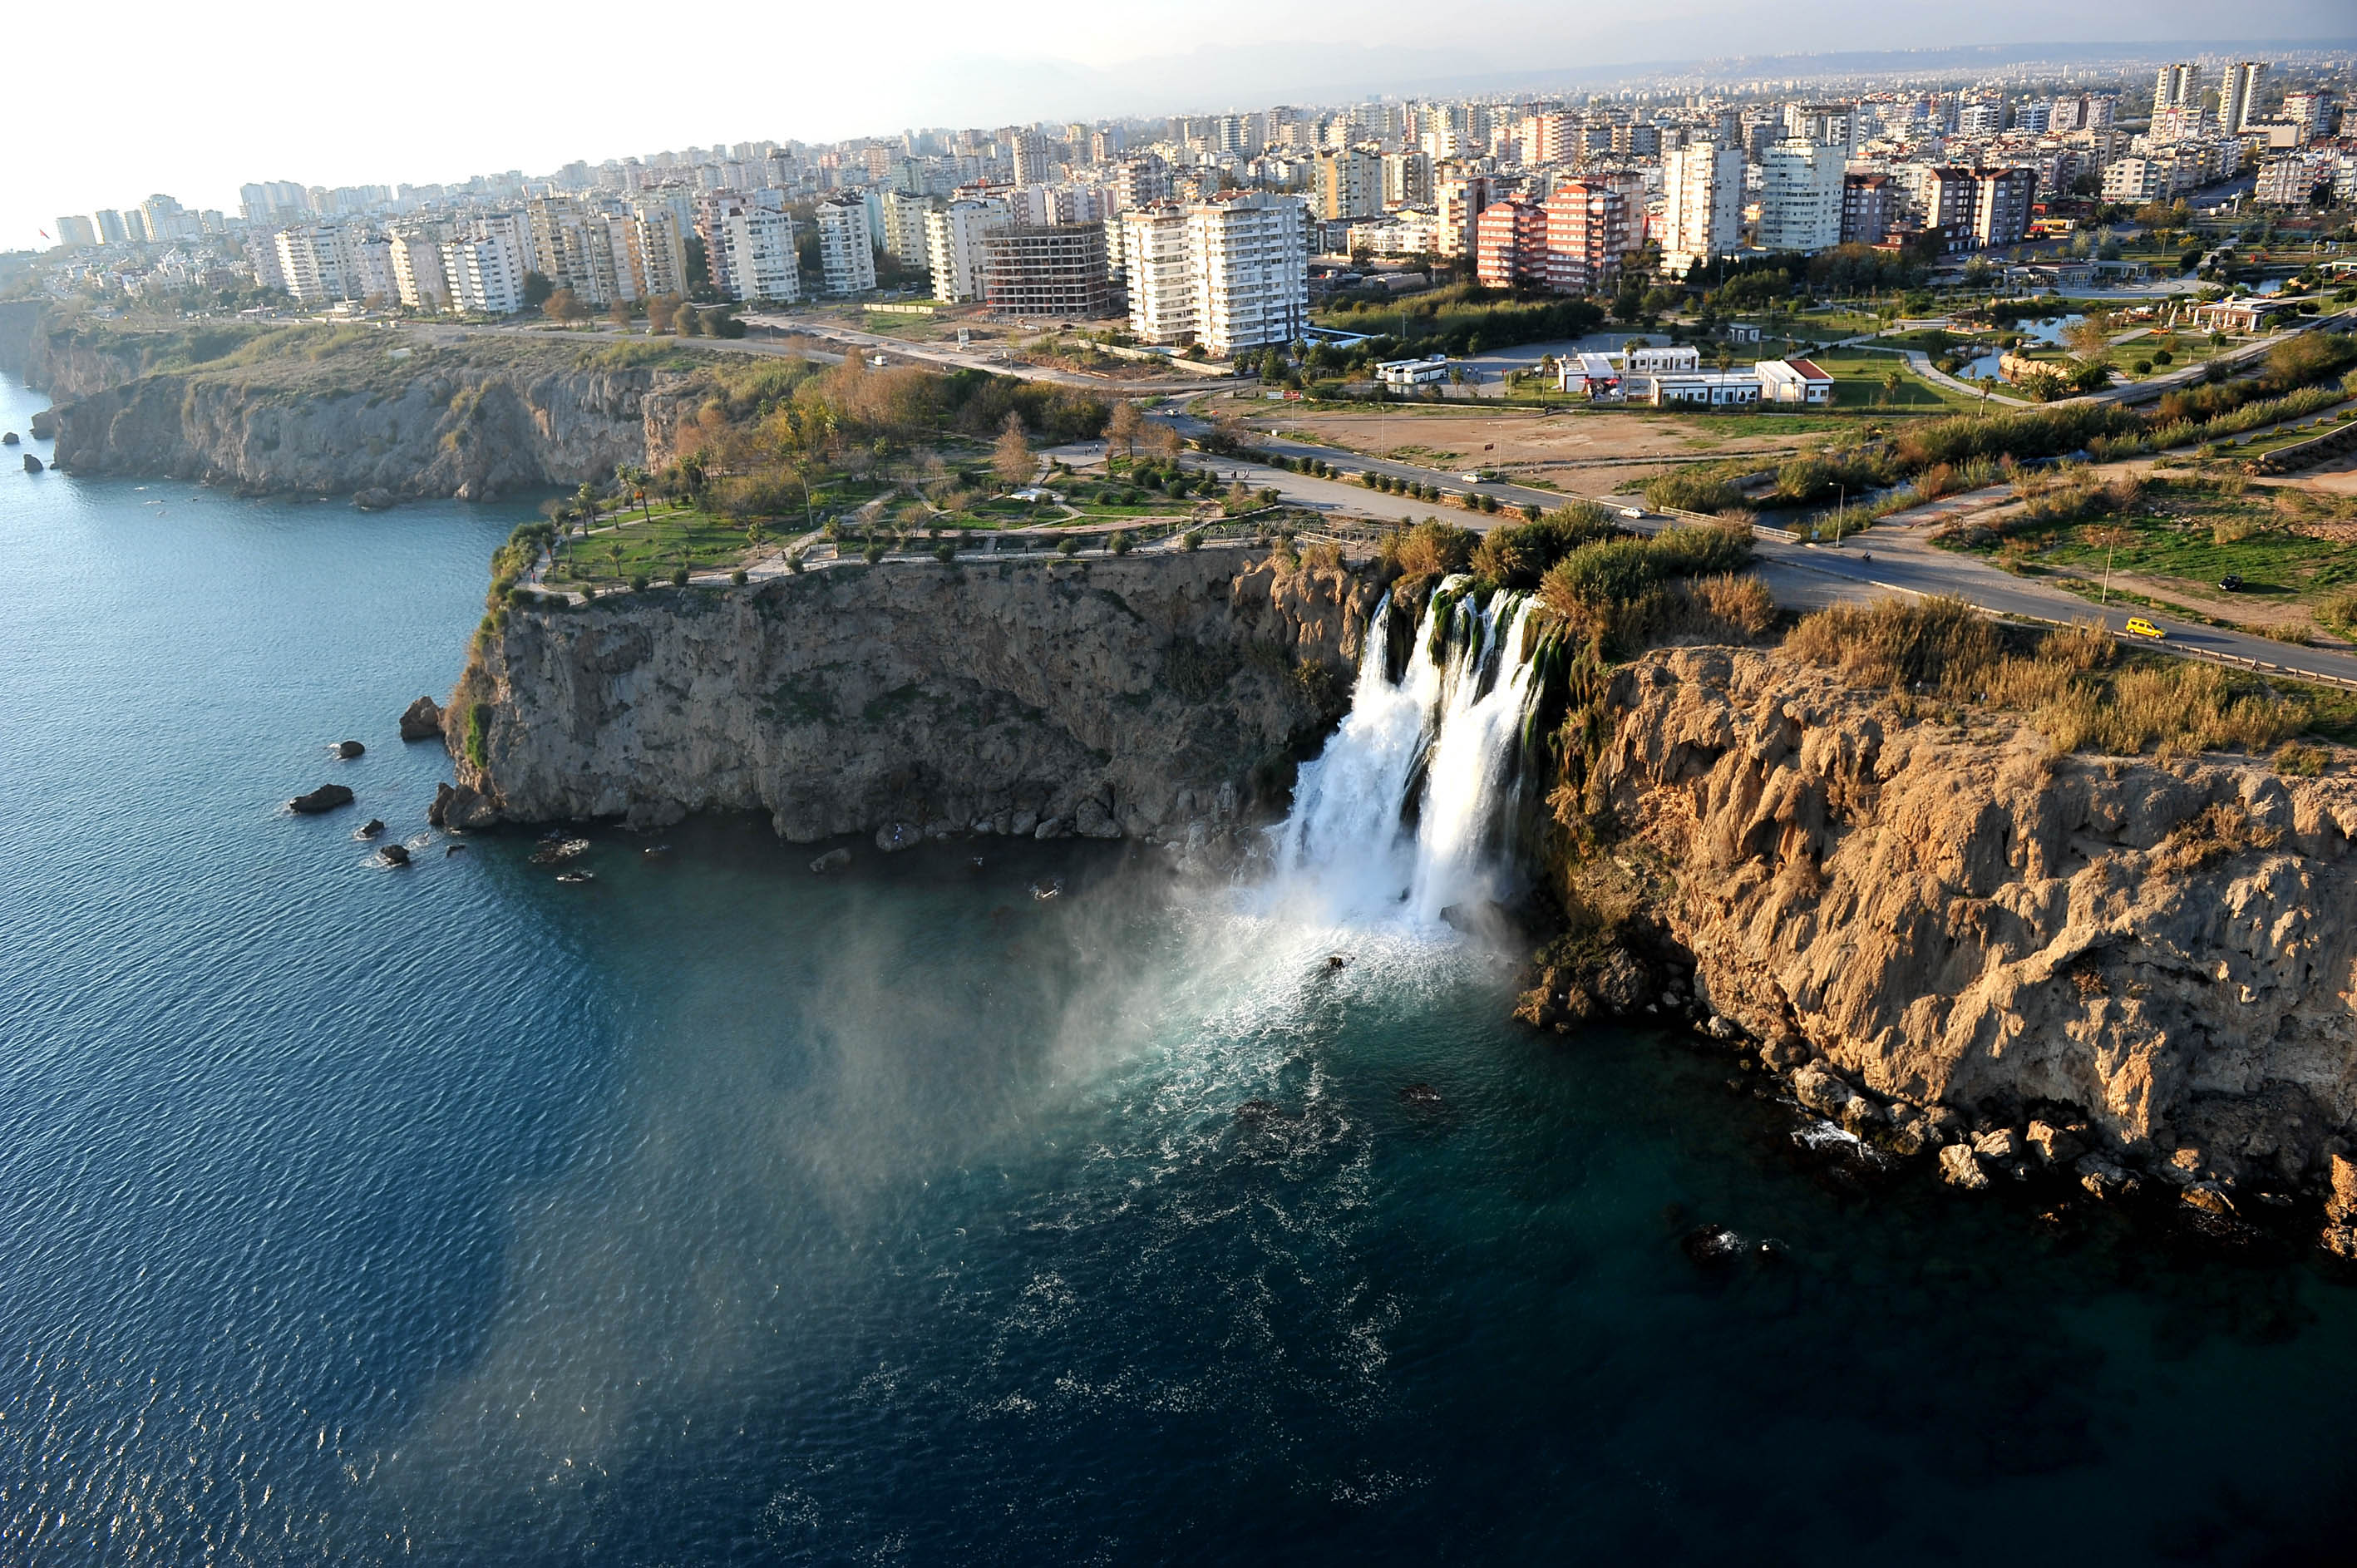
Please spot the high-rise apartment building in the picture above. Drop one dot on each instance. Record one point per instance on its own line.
(1155, 264)
(2238, 95)
(847, 249)
(2178, 86)
(77, 232)
(1573, 243)
(273, 201)
(1250, 258)
(1349, 183)
(1232, 275)
(1056, 271)
(1801, 196)
(904, 226)
(312, 261)
(659, 247)
(485, 272)
(762, 264)
(1510, 243)
(111, 227)
(1407, 179)
(954, 238)
(1701, 194)
(1032, 165)
(418, 279)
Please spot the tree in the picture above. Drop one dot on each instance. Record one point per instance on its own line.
(563, 306)
(1892, 380)
(1122, 428)
(661, 309)
(1012, 459)
(536, 289)
(585, 498)
(1165, 442)
(619, 315)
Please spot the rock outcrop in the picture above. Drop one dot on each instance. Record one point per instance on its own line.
(2150, 959)
(326, 798)
(422, 720)
(1140, 696)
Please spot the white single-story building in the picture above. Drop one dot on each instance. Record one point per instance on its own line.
(1409, 372)
(1793, 381)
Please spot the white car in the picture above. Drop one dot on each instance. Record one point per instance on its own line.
(1470, 478)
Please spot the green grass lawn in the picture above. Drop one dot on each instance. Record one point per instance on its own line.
(1858, 383)
(617, 552)
(2198, 531)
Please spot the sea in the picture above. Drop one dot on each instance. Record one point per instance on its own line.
(709, 1212)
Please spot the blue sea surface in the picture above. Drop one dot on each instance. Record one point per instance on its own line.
(712, 1212)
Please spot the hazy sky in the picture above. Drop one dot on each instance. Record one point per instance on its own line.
(111, 104)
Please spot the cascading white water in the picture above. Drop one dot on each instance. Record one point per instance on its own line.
(1442, 738)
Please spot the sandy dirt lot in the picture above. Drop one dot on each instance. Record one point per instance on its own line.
(1588, 452)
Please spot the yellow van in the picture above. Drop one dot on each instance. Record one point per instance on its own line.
(2139, 627)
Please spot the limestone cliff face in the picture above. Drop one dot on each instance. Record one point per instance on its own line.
(452, 427)
(1948, 915)
(1137, 695)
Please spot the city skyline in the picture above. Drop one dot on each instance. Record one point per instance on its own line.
(435, 126)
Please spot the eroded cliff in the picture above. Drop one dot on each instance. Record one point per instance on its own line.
(412, 421)
(2158, 954)
(1144, 696)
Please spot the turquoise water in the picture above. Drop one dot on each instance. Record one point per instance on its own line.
(714, 1213)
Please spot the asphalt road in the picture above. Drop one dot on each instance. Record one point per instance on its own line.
(1892, 558)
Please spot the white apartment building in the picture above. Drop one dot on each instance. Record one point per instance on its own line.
(417, 276)
(904, 227)
(1155, 258)
(953, 245)
(485, 273)
(321, 263)
(847, 249)
(1702, 203)
(763, 266)
(1801, 196)
(1232, 274)
(2238, 95)
(659, 247)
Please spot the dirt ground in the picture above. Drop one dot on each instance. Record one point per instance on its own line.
(1589, 451)
(2337, 476)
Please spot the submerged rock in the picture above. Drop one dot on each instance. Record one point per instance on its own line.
(32, 464)
(422, 720)
(832, 860)
(348, 749)
(894, 837)
(395, 854)
(369, 828)
(374, 499)
(326, 798)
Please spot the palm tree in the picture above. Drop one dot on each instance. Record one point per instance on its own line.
(586, 499)
(1891, 381)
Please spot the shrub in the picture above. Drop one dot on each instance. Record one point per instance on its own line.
(679, 576)
(1739, 602)
(945, 552)
(2142, 367)
(639, 583)
(1118, 543)
(1430, 547)
(1690, 490)
(794, 562)
(874, 553)
(1518, 557)
(2296, 762)
(2163, 357)
(737, 577)
(1068, 546)
(1191, 540)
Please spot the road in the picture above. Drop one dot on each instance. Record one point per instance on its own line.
(1895, 557)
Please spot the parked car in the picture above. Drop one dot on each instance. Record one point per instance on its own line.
(2232, 582)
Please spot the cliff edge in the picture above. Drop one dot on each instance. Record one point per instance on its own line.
(2156, 953)
(1143, 696)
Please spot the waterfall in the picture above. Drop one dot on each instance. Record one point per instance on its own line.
(1408, 809)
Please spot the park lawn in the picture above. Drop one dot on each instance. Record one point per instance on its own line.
(619, 551)
(1858, 383)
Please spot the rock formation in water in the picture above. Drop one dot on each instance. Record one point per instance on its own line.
(1938, 924)
(1137, 696)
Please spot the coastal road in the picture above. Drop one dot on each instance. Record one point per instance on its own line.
(1894, 558)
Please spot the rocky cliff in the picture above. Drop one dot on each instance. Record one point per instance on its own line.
(1143, 696)
(414, 421)
(1944, 925)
